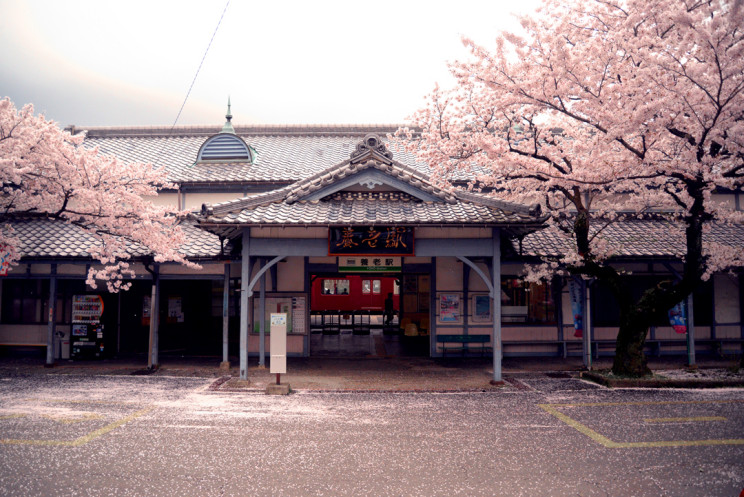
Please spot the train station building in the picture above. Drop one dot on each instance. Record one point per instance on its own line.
(353, 241)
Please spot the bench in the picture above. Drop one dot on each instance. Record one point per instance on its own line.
(720, 347)
(463, 342)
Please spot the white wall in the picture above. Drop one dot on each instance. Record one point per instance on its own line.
(726, 291)
(165, 199)
(449, 274)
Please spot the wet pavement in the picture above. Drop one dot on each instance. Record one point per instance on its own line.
(547, 433)
(379, 374)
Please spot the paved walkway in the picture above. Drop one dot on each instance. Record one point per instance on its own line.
(365, 374)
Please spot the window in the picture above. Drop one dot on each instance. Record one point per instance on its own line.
(25, 301)
(371, 286)
(335, 287)
(523, 302)
(605, 311)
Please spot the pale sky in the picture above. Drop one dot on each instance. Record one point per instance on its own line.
(100, 62)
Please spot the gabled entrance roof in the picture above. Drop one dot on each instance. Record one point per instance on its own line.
(369, 188)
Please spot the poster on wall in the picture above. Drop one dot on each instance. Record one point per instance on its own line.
(146, 305)
(449, 307)
(678, 318)
(481, 308)
(4, 260)
(298, 314)
(175, 310)
(577, 306)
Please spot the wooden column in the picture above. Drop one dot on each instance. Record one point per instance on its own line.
(153, 360)
(225, 317)
(262, 321)
(245, 279)
(496, 296)
(691, 331)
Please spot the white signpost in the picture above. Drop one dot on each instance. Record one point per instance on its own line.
(278, 347)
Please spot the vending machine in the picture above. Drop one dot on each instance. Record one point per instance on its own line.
(86, 340)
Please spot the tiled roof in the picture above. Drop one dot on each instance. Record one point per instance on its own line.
(46, 238)
(365, 209)
(633, 238)
(295, 204)
(285, 153)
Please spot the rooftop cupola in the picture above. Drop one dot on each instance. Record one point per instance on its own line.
(228, 127)
(226, 146)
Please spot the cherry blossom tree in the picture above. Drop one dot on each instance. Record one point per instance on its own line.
(601, 110)
(47, 173)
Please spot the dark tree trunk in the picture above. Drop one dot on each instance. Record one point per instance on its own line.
(630, 360)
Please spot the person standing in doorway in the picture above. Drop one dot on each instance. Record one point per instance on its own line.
(389, 311)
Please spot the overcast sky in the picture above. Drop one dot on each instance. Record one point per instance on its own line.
(100, 62)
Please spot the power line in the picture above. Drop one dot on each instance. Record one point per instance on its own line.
(200, 65)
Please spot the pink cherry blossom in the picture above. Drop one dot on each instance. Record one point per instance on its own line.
(602, 109)
(47, 173)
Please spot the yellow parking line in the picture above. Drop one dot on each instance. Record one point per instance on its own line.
(12, 416)
(684, 420)
(601, 439)
(580, 427)
(71, 420)
(84, 439)
(77, 401)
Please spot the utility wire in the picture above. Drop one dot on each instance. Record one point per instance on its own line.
(193, 81)
(200, 65)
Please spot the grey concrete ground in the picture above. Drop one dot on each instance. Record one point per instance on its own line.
(347, 374)
(543, 434)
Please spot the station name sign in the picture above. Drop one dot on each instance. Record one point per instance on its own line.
(369, 264)
(367, 240)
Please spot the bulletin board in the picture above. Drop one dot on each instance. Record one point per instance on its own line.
(295, 306)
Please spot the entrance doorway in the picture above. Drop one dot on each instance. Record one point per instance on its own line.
(365, 315)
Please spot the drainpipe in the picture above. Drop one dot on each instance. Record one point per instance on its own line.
(52, 317)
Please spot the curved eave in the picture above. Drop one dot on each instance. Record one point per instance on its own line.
(232, 230)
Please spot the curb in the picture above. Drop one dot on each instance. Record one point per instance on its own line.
(658, 382)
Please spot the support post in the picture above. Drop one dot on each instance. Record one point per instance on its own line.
(52, 317)
(225, 364)
(690, 332)
(262, 322)
(496, 299)
(245, 278)
(152, 359)
(587, 337)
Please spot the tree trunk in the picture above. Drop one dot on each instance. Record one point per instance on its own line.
(630, 360)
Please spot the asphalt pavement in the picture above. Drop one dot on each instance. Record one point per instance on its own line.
(549, 433)
(380, 374)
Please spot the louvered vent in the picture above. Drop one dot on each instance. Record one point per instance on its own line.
(225, 147)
